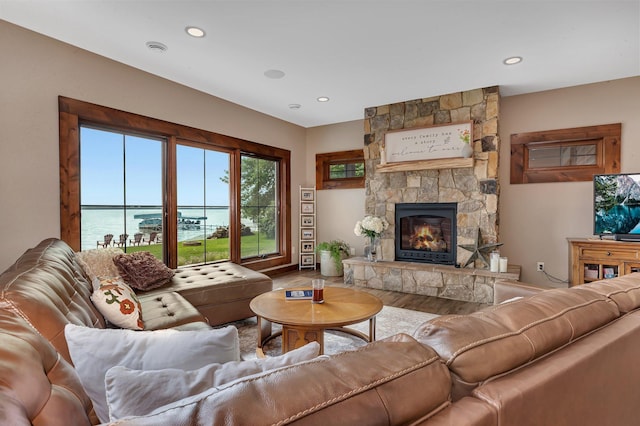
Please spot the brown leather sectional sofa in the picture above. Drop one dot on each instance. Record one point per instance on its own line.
(558, 357)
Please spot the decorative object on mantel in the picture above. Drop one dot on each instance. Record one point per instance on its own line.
(467, 149)
(372, 228)
(479, 250)
(429, 143)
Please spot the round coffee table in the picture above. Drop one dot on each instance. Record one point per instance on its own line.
(303, 322)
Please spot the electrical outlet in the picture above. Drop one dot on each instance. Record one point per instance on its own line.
(540, 267)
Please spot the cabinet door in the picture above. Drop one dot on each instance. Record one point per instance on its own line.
(630, 268)
(594, 270)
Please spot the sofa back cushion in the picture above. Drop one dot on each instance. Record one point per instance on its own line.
(37, 386)
(593, 381)
(500, 338)
(381, 383)
(624, 291)
(48, 288)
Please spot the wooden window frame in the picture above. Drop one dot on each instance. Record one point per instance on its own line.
(606, 137)
(325, 160)
(74, 113)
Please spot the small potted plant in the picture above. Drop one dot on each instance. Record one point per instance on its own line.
(331, 255)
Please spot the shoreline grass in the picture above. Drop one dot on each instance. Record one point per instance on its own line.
(215, 249)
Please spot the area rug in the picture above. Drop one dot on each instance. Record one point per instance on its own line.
(389, 321)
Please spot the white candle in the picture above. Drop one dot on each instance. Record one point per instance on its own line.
(383, 156)
(494, 262)
(503, 264)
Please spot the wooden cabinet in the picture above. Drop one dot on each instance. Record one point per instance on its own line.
(595, 259)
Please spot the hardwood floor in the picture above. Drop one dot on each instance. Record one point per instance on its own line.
(416, 302)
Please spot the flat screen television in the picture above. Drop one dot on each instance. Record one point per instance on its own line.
(616, 205)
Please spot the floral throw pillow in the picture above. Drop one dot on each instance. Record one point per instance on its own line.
(142, 271)
(118, 303)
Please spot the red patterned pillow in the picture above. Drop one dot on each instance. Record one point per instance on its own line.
(142, 271)
(118, 303)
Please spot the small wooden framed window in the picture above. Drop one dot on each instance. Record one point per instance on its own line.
(340, 170)
(565, 155)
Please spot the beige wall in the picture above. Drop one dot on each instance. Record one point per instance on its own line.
(338, 209)
(537, 219)
(36, 70)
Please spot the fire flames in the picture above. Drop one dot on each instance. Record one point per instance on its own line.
(426, 237)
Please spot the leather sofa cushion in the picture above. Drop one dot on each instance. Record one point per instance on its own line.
(592, 382)
(167, 310)
(220, 291)
(37, 386)
(506, 290)
(381, 383)
(49, 289)
(624, 291)
(500, 338)
(218, 283)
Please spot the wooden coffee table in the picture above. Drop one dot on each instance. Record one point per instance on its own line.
(303, 322)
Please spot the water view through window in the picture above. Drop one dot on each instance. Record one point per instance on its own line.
(122, 198)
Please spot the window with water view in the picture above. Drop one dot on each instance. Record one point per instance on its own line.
(128, 193)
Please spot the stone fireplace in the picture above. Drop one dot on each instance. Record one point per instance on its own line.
(426, 232)
(471, 185)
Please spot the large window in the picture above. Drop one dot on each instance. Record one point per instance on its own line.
(189, 196)
(203, 205)
(121, 178)
(259, 205)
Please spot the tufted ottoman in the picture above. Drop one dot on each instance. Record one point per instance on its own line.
(221, 291)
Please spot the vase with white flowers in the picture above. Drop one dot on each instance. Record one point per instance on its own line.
(372, 228)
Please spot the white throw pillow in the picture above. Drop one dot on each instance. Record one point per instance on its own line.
(155, 388)
(118, 304)
(94, 351)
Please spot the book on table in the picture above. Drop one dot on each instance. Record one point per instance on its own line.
(298, 294)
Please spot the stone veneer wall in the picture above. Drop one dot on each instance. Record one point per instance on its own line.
(474, 189)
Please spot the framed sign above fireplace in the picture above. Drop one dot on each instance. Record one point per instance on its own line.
(429, 143)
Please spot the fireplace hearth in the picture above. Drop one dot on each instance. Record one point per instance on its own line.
(426, 232)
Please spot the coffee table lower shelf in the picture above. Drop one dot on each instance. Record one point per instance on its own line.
(294, 337)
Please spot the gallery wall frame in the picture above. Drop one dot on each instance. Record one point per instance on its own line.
(307, 208)
(307, 195)
(307, 260)
(308, 221)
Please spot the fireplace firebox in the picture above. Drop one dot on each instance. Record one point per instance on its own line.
(426, 232)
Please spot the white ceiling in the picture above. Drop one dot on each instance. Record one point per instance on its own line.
(359, 53)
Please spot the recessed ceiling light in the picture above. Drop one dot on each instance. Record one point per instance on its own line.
(156, 46)
(195, 32)
(275, 74)
(323, 99)
(513, 60)
(295, 106)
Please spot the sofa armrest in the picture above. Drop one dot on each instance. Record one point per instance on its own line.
(504, 290)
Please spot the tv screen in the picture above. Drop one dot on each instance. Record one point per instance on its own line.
(616, 204)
